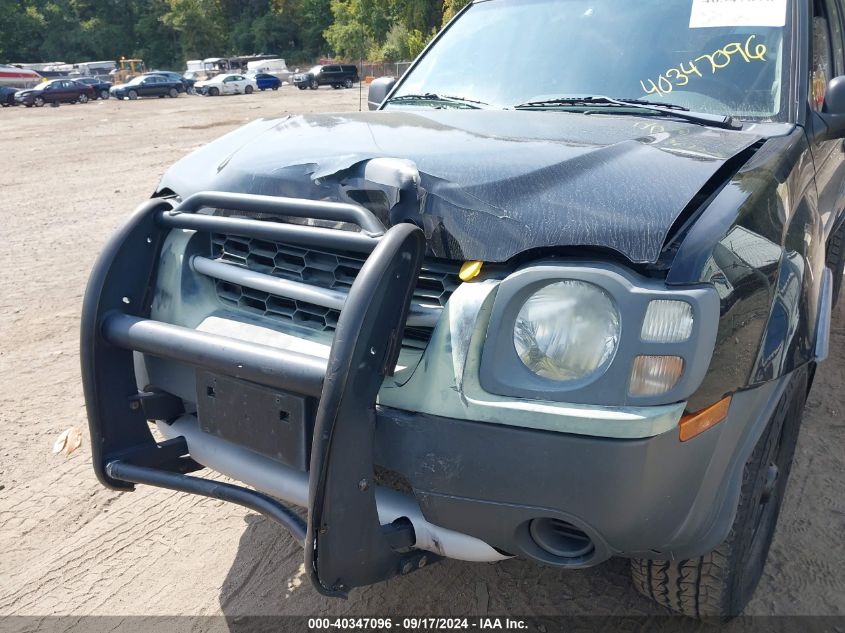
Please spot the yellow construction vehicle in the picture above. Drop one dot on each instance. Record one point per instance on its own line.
(127, 69)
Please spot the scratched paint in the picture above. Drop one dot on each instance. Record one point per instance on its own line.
(491, 184)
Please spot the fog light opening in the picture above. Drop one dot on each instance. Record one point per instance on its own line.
(560, 538)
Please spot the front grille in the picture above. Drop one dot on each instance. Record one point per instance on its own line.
(316, 267)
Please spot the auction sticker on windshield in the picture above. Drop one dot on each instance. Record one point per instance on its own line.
(724, 13)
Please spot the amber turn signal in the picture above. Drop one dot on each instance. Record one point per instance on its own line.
(696, 423)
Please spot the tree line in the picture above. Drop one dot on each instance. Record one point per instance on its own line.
(165, 33)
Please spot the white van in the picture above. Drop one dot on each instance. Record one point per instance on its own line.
(275, 67)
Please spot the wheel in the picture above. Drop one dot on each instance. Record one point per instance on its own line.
(248, 90)
(314, 85)
(173, 93)
(721, 583)
(336, 86)
(132, 94)
(104, 94)
(275, 87)
(213, 92)
(39, 102)
(835, 259)
(303, 87)
(83, 98)
(347, 83)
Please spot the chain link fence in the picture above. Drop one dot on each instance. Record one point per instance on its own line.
(384, 69)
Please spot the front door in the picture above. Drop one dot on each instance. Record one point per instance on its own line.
(828, 59)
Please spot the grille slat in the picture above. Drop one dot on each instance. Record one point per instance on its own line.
(319, 268)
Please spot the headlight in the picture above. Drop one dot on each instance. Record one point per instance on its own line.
(567, 331)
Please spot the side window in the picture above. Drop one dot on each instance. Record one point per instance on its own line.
(828, 59)
(837, 44)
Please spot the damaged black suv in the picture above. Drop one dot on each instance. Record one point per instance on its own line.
(565, 307)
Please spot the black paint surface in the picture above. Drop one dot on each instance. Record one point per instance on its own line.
(491, 184)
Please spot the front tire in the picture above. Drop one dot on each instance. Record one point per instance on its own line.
(720, 583)
(83, 98)
(173, 93)
(39, 102)
(314, 85)
(132, 94)
(248, 90)
(104, 94)
(213, 92)
(347, 83)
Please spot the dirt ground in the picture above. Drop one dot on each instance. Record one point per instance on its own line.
(70, 176)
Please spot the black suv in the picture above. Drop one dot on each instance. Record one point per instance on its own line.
(334, 75)
(560, 310)
(101, 87)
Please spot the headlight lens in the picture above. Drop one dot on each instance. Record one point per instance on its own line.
(567, 331)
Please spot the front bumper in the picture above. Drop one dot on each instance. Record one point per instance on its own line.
(473, 488)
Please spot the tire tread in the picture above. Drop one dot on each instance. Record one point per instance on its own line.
(709, 586)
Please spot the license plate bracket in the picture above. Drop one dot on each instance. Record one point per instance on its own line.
(273, 423)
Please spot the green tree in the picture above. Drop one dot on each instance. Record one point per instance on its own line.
(451, 8)
(21, 29)
(167, 32)
(349, 36)
(200, 25)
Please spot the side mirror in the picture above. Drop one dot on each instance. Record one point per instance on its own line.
(379, 89)
(830, 122)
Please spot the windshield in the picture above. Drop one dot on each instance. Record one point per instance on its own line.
(315, 70)
(711, 57)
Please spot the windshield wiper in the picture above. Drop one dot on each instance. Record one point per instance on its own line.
(668, 109)
(430, 96)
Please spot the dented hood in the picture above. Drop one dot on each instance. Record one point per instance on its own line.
(484, 185)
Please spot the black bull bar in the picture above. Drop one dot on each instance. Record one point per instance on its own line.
(345, 544)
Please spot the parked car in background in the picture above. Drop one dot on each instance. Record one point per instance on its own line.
(7, 96)
(148, 86)
(56, 91)
(101, 88)
(228, 84)
(171, 75)
(265, 81)
(334, 75)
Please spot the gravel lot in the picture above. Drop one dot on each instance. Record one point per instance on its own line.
(70, 176)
